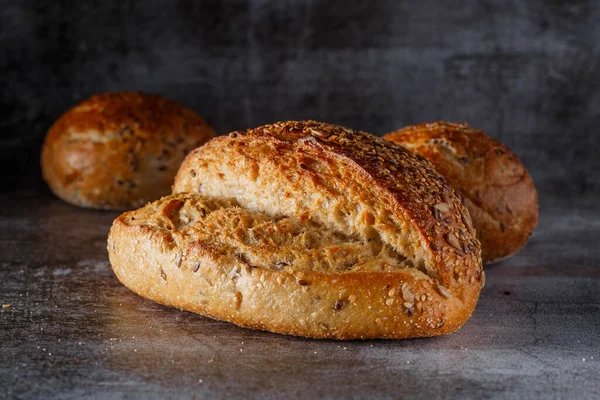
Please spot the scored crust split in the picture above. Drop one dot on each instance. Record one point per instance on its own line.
(308, 229)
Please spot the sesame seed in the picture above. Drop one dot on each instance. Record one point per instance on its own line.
(452, 240)
(178, 260)
(444, 292)
(443, 207)
(407, 294)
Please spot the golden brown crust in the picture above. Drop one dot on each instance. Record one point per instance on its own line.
(119, 150)
(497, 189)
(308, 229)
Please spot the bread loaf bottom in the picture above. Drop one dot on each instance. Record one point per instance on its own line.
(275, 273)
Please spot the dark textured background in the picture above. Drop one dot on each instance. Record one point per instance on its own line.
(527, 72)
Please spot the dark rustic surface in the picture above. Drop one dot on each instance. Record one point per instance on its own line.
(73, 331)
(527, 72)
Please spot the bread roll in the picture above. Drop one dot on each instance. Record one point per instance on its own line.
(119, 150)
(308, 229)
(497, 189)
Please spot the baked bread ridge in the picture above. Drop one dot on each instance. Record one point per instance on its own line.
(119, 150)
(495, 186)
(311, 168)
(344, 182)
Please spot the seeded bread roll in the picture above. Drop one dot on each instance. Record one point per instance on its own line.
(119, 150)
(497, 189)
(308, 229)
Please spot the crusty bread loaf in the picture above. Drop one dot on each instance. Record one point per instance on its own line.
(497, 189)
(119, 150)
(308, 229)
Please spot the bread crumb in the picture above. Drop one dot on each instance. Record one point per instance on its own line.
(6, 306)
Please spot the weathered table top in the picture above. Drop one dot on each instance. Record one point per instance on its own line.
(72, 331)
